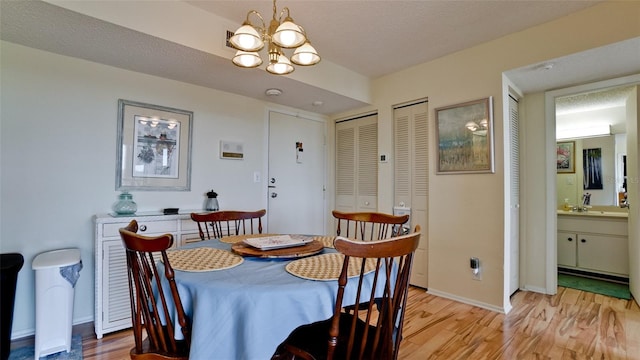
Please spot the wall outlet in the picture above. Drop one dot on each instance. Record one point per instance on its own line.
(477, 275)
(474, 264)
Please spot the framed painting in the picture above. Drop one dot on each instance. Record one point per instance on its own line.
(465, 137)
(592, 169)
(566, 157)
(153, 147)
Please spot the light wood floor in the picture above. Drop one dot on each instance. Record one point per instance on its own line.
(570, 325)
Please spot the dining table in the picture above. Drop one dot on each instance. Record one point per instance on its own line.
(245, 308)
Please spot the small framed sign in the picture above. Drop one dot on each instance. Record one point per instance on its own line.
(231, 150)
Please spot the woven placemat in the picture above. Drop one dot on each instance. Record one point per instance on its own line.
(327, 241)
(237, 238)
(327, 267)
(203, 259)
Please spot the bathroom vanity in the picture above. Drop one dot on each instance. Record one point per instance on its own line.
(594, 241)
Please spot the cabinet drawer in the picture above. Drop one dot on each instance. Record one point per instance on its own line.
(189, 225)
(150, 227)
(590, 224)
(189, 238)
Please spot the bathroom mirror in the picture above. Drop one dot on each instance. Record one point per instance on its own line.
(604, 153)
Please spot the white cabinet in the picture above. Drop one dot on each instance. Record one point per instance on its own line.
(112, 304)
(594, 244)
(188, 231)
(604, 253)
(567, 250)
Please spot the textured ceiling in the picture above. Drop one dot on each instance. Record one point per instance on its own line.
(376, 37)
(593, 100)
(369, 37)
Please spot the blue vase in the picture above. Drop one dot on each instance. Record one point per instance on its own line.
(125, 204)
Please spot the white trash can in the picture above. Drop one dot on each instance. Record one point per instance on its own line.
(56, 275)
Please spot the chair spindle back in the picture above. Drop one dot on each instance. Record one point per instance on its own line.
(151, 301)
(215, 225)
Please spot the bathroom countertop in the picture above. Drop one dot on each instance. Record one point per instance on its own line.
(596, 213)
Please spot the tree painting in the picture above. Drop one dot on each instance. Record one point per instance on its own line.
(592, 166)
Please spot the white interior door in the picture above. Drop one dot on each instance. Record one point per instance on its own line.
(296, 177)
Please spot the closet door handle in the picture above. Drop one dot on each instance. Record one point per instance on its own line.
(570, 239)
(583, 240)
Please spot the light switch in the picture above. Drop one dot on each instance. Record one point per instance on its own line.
(569, 180)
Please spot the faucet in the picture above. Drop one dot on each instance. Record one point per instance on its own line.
(580, 209)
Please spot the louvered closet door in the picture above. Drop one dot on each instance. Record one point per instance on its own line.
(514, 196)
(411, 177)
(356, 164)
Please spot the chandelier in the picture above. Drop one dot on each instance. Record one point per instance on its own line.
(281, 34)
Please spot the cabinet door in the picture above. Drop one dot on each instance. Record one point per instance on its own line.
(567, 252)
(116, 310)
(603, 253)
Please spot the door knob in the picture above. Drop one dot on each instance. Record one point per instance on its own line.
(273, 180)
(274, 195)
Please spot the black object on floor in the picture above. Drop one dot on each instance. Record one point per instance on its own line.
(10, 265)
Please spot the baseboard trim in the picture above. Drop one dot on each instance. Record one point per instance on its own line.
(612, 278)
(466, 301)
(85, 330)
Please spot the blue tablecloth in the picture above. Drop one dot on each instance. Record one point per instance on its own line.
(245, 312)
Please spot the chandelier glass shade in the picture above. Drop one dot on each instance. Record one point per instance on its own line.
(281, 34)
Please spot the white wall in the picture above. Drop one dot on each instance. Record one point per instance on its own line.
(58, 147)
(466, 216)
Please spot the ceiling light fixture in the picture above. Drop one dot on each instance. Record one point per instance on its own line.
(577, 133)
(281, 34)
(273, 92)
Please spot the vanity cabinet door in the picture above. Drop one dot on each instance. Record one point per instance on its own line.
(603, 253)
(567, 251)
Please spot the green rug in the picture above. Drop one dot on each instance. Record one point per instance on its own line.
(617, 290)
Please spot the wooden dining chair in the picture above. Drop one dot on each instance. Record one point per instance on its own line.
(368, 226)
(150, 310)
(215, 225)
(374, 333)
